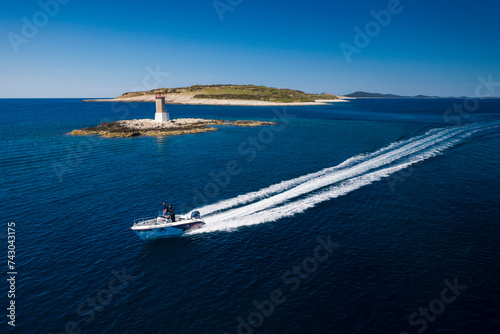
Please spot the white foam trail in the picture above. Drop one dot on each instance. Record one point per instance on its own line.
(284, 185)
(351, 177)
(337, 176)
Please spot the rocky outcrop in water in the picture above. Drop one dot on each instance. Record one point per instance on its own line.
(148, 127)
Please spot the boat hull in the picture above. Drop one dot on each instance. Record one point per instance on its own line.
(168, 232)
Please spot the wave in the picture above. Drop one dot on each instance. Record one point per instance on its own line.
(294, 196)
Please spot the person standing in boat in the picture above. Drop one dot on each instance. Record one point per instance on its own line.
(171, 212)
(165, 208)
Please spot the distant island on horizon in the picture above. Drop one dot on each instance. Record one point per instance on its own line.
(361, 94)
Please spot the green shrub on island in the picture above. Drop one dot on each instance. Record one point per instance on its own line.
(238, 92)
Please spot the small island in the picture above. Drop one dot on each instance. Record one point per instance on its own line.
(149, 127)
(237, 95)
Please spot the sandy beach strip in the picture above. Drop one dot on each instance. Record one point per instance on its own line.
(189, 99)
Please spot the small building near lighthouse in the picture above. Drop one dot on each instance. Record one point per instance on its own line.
(161, 114)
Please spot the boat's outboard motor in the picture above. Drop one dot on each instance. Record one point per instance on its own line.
(195, 215)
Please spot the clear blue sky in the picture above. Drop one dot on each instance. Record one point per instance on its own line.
(103, 48)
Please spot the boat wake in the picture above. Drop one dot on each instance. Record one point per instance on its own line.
(295, 196)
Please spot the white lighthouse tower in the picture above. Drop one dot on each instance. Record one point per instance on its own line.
(161, 115)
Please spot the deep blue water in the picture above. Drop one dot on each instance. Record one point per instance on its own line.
(413, 202)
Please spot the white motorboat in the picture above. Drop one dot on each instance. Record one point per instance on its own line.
(163, 227)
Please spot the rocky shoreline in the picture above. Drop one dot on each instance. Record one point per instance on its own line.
(148, 127)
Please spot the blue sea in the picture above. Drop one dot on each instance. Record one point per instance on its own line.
(368, 216)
